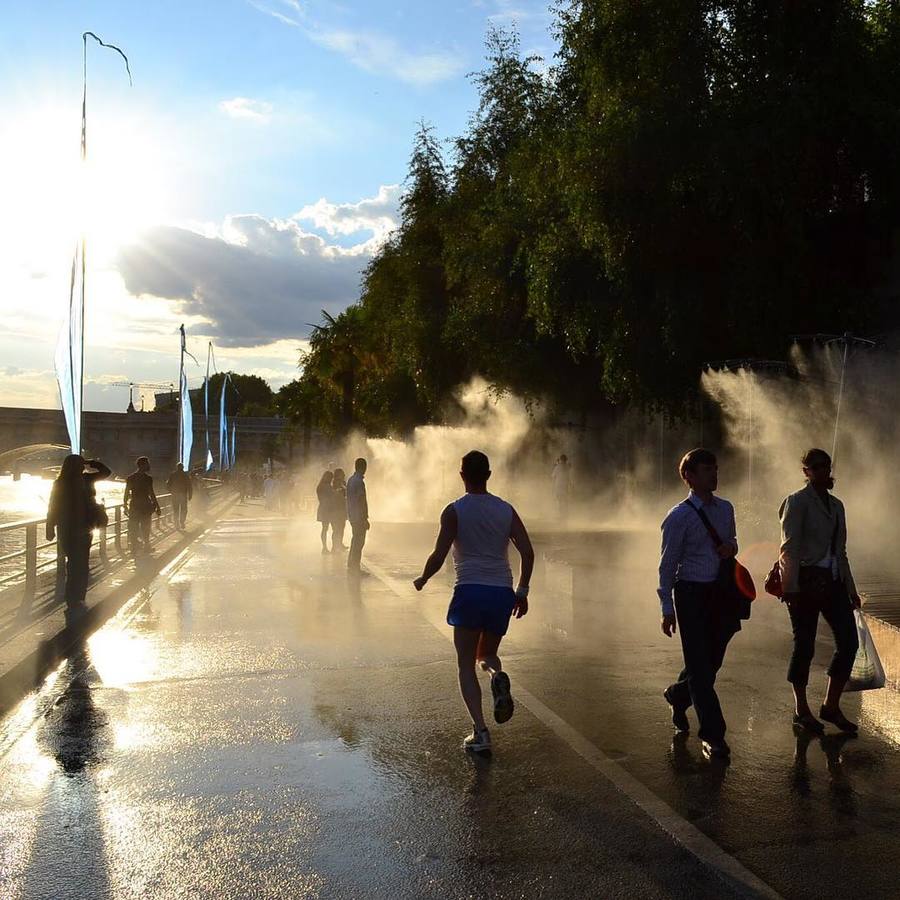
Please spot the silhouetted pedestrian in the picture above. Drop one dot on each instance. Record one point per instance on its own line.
(479, 527)
(269, 489)
(140, 503)
(181, 489)
(324, 510)
(690, 564)
(561, 479)
(338, 510)
(73, 514)
(816, 578)
(357, 514)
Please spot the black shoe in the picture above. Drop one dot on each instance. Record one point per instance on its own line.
(679, 713)
(808, 722)
(716, 749)
(836, 717)
(503, 701)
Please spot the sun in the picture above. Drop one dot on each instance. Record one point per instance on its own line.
(51, 197)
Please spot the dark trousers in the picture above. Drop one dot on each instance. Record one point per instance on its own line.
(820, 593)
(139, 523)
(705, 629)
(357, 542)
(77, 551)
(179, 509)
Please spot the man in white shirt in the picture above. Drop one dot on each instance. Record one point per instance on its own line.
(357, 514)
(688, 569)
(479, 528)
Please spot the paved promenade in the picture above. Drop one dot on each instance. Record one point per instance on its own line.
(254, 725)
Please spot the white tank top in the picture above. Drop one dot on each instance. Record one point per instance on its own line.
(481, 547)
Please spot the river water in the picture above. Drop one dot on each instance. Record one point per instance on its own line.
(28, 498)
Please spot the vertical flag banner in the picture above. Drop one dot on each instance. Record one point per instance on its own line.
(70, 352)
(209, 456)
(69, 361)
(233, 441)
(187, 424)
(185, 413)
(223, 430)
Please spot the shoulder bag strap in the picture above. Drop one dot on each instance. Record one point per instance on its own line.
(714, 535)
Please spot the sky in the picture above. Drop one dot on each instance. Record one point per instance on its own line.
(238, 186)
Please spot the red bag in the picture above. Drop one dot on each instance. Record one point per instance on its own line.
(773, 583)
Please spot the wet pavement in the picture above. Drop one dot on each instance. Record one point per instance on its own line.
(254, 725)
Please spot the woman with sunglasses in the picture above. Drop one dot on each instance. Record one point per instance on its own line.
(817, 580)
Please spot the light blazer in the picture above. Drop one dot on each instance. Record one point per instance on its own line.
(807, 526)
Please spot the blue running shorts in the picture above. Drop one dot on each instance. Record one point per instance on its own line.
(481, 606)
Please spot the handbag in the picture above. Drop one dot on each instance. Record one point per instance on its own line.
(734, 580)
(97, 515)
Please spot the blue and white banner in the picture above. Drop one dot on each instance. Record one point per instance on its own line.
(187, 423)
(224, 459)
(70, 352)
(209, 456)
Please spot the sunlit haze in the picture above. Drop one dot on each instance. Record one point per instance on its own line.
(274, 149)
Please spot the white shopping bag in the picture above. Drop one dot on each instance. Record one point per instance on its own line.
(868, 673)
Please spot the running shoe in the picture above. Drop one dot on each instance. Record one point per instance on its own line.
(503, 701)
(479, 741)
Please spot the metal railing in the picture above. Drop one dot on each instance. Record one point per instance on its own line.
(24, 557)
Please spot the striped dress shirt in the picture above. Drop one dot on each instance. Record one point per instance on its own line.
(688, 553)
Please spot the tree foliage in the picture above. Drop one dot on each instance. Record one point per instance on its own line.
(246, 395)
(692, 180)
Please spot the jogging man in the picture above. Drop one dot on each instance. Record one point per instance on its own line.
(479, 526)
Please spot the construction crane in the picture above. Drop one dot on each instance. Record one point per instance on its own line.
(151, 385)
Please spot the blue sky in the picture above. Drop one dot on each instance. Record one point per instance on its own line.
(239, 186)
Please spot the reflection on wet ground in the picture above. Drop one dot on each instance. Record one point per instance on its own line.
(256, 725)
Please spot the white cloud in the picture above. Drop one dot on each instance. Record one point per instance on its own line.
(280, 16)
(380, 54)
(379, 215)
(246, 108)
(369, 50)
(258, 281)
(29, 388)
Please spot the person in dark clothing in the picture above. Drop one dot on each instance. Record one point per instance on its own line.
(357, 514)
(815, 572)
(323, 512)
(338, 510)
(688, 569)
(181, 489)
(72, 515)
(140, 503)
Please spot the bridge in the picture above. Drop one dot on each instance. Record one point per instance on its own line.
(119, 438)
(241, 720)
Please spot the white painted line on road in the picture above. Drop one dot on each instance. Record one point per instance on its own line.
(707, 851)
